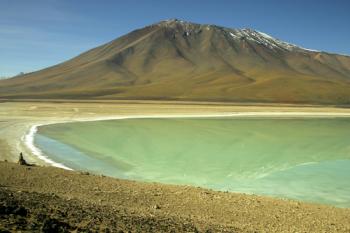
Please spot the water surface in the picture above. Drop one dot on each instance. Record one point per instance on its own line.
(303, 159)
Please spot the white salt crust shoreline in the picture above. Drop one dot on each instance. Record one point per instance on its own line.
(28, 140)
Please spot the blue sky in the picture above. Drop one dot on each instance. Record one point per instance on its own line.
(35, 34)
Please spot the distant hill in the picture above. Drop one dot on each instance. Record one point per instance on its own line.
(6, 77)
(177, 60)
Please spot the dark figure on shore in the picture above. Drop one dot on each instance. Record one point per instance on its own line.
(21, 160)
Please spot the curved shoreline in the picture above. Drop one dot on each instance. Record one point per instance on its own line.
(28, 138)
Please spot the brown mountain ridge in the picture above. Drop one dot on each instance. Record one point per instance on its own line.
(178, 60)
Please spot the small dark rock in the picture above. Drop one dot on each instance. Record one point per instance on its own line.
(41, 217)
(4, 231)
(21, 211)
(53, 225)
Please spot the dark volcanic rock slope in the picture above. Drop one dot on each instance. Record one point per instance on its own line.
(185, 61)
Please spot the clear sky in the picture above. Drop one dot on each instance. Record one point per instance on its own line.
(38, 33)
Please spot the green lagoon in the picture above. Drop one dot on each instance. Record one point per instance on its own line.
(298, 158)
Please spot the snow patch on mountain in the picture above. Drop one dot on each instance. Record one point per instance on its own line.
(266, 40)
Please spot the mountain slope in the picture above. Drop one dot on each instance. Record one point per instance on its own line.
(185, 61)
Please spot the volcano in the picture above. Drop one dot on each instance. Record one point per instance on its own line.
(178, 60)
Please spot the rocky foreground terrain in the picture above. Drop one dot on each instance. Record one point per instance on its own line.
(46, 199)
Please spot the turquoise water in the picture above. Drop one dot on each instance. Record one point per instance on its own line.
(303, 159)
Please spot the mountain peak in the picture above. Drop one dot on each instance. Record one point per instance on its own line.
(189, 28)
(175, 22)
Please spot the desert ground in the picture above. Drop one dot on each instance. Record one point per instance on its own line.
(49, 199)
(40, 197)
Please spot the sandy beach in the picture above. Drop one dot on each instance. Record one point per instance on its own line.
(137, 204)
